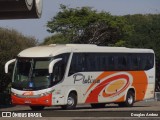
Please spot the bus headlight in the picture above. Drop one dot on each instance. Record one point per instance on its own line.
(45, 94)
(14, 94)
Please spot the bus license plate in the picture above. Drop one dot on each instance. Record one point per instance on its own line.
(27, 101)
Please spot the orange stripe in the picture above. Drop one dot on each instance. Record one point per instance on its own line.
(140, 84)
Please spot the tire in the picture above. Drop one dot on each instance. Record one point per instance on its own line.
(29, 4)
(71, 102)
(129, 100)
(98, 105)
(37, 108)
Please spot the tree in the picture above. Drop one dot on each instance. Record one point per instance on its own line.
(56, 39)
(85, 25)
(11, 43)
(146, 34)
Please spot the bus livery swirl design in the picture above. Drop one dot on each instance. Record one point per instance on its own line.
(111, 87)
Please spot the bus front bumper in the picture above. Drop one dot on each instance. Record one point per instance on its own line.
(32, 101)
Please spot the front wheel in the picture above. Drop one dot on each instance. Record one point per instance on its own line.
(71, 102)
(129, 100)
(37, 108)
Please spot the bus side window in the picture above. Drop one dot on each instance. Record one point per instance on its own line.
(90, 62)
(122, 63)
(58, 72)
(102, 62)
(111, 63)
(77, 63)
(150, 61)
(142, 61)
(59, 68)
(135, 62)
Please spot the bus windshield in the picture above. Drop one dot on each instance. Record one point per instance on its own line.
(31, 74)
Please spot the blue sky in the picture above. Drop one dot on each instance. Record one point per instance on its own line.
(37, 27)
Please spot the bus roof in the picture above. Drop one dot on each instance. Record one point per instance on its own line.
(55, 49)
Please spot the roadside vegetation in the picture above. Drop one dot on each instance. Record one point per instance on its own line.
(11, 43)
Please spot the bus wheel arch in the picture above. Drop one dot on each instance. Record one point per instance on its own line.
(129, 99)
(71, 100)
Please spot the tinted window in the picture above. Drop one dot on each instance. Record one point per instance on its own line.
(121, 62)
(77, 63)
(103, 62)
(135, 62)
(85, 62)
(142, 61)
(91, 62)
(59, 68)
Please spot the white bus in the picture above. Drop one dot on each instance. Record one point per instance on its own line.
(71, 74)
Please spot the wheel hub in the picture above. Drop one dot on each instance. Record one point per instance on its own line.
(70, 101)
(130, 100)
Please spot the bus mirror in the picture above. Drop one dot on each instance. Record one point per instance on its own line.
(7, 64)
(52, 64)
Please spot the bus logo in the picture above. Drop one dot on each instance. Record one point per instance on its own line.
(85, 80)
(28, 93)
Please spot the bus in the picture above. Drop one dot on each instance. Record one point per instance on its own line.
(71, 74)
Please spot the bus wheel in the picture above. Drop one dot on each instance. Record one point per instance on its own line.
(37, 107)
(71, 102)
(98, 105)
(129, 100)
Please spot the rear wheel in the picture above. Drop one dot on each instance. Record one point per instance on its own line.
(71, 102)
(37, 107)
(98, 105)
(129, 100)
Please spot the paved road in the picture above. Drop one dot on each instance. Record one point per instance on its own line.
(141, 109)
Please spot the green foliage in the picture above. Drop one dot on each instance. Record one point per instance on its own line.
(120, 43)
(146, 29)
(84, 25)
(146, 32)
(11, 43)
(56, 39)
